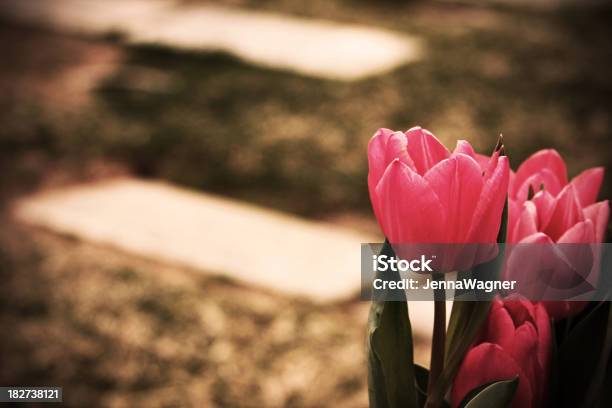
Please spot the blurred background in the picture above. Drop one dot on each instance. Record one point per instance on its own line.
(255, 114)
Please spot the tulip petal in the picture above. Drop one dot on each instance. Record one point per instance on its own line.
(582, 232)
(483, 161)
(588, 184)
(521, 310)
(525, 353)
(385, 146)
(527, 223)
(598, 213)
(566, 213)
(514, 212)
(425, 149)
(533, 276)
(500, 328)
(511, 184)
(542, 322)
(487, 216)
(545, 337)
(457, 182)
(483, 336)
(545, 203)
(544, 178)
(491, 164)
(538, 238)
(574, 263)
(485, 363)
(377, 153)
(410, 211)
(464, 147)
(543, 159)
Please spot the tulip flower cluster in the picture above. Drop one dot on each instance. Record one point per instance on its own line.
(545, 209)
(502, 355)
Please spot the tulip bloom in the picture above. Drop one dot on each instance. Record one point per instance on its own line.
(558, 212)
(516, 341)
(423, 193)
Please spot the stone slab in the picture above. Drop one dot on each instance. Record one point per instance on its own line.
(312, 47)
(257, 246)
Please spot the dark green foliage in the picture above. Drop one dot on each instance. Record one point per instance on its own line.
(498, 394)
(391, 370)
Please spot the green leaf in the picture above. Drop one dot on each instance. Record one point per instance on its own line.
(422, 378)
(603, 374)
(466, 320)
(554, 360)
(391, 372)
(583, 374)
(497, 394)
(599, 390)
(606, 395)
(583, 357)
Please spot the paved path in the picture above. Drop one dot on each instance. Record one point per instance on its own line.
(257, 246)
(311, 47)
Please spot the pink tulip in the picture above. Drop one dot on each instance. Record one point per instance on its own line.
(558, 212)
(515, 341)
(423, 193)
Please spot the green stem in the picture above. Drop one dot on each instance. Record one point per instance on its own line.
(438, 339)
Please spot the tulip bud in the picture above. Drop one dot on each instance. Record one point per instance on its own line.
(516, 341)
(422, 193)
